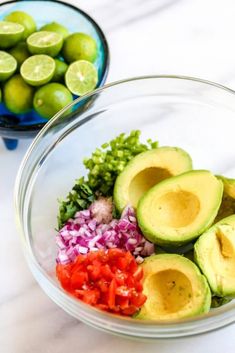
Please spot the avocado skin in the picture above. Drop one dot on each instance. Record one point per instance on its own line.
(216, 301)
(163, 241)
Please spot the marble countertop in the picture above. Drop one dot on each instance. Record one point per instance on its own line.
(194, 38)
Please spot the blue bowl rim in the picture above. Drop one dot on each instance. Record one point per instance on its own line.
(34, 128)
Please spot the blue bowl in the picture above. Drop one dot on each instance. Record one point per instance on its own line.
(14, 127)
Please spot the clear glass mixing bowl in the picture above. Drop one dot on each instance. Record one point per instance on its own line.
(196, 115)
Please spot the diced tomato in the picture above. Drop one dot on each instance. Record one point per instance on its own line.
(112, 294)
(130, 281)
(106, 272)
(115, 253)
(91, 256)
(138, 299)
(89, 296)
(109, 280)
(123, 291)
(138, 286)
(131, 310)
(113, 268)
(103, 285)
(120, 278)
(78, 279)
(94, 272)
(79, 260)
(133, 266)
(122, 263)
(122, 302)
(64, 275)
(102, 307)
(138, 274)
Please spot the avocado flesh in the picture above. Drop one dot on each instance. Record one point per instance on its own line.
(179, 209)
(174, 287)
(215, 255)
(227, 207)
(146, 170)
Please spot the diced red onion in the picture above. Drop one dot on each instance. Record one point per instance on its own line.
(85, 233)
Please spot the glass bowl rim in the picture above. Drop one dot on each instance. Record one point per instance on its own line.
(34, 128)
(94, 317)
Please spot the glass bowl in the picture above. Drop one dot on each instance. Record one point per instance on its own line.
(196, 115)
(13, 126)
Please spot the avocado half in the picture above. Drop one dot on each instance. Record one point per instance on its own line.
(215, 255)
(227, 207)
(146, 170)
(175, 288)
(179, 209)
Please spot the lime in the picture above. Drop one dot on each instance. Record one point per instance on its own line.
(23, 19)
(38, 69)
(8, 65)
(45, 42)
(20, 53)
(56, 27)
(18, 95)
(10, 34)
(60, 70)
(51, 98)
(79, 46)
(81, 77)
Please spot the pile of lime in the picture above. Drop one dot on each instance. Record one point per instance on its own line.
(43, 69)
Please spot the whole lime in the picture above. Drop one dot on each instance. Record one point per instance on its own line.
(55, 27)
(50, 99)
(23, 19)
(60, 70)
(18, 95)
(79, 46)
(20, 53)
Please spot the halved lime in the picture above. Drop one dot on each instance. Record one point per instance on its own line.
(81, 77)
(60, 70)
(56, 27)
(10, 34)
(79, 46)
(51, 98)
(45, 42)
(8, 65)
(38, 69)
(20, 53)
(23, 19)
(18, 95)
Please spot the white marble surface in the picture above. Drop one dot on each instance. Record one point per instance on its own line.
(190, 37)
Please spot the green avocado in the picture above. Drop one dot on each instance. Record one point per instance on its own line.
(227, 207)
(175, 288)
(146, 170)
(179, 209)
(215, 255)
